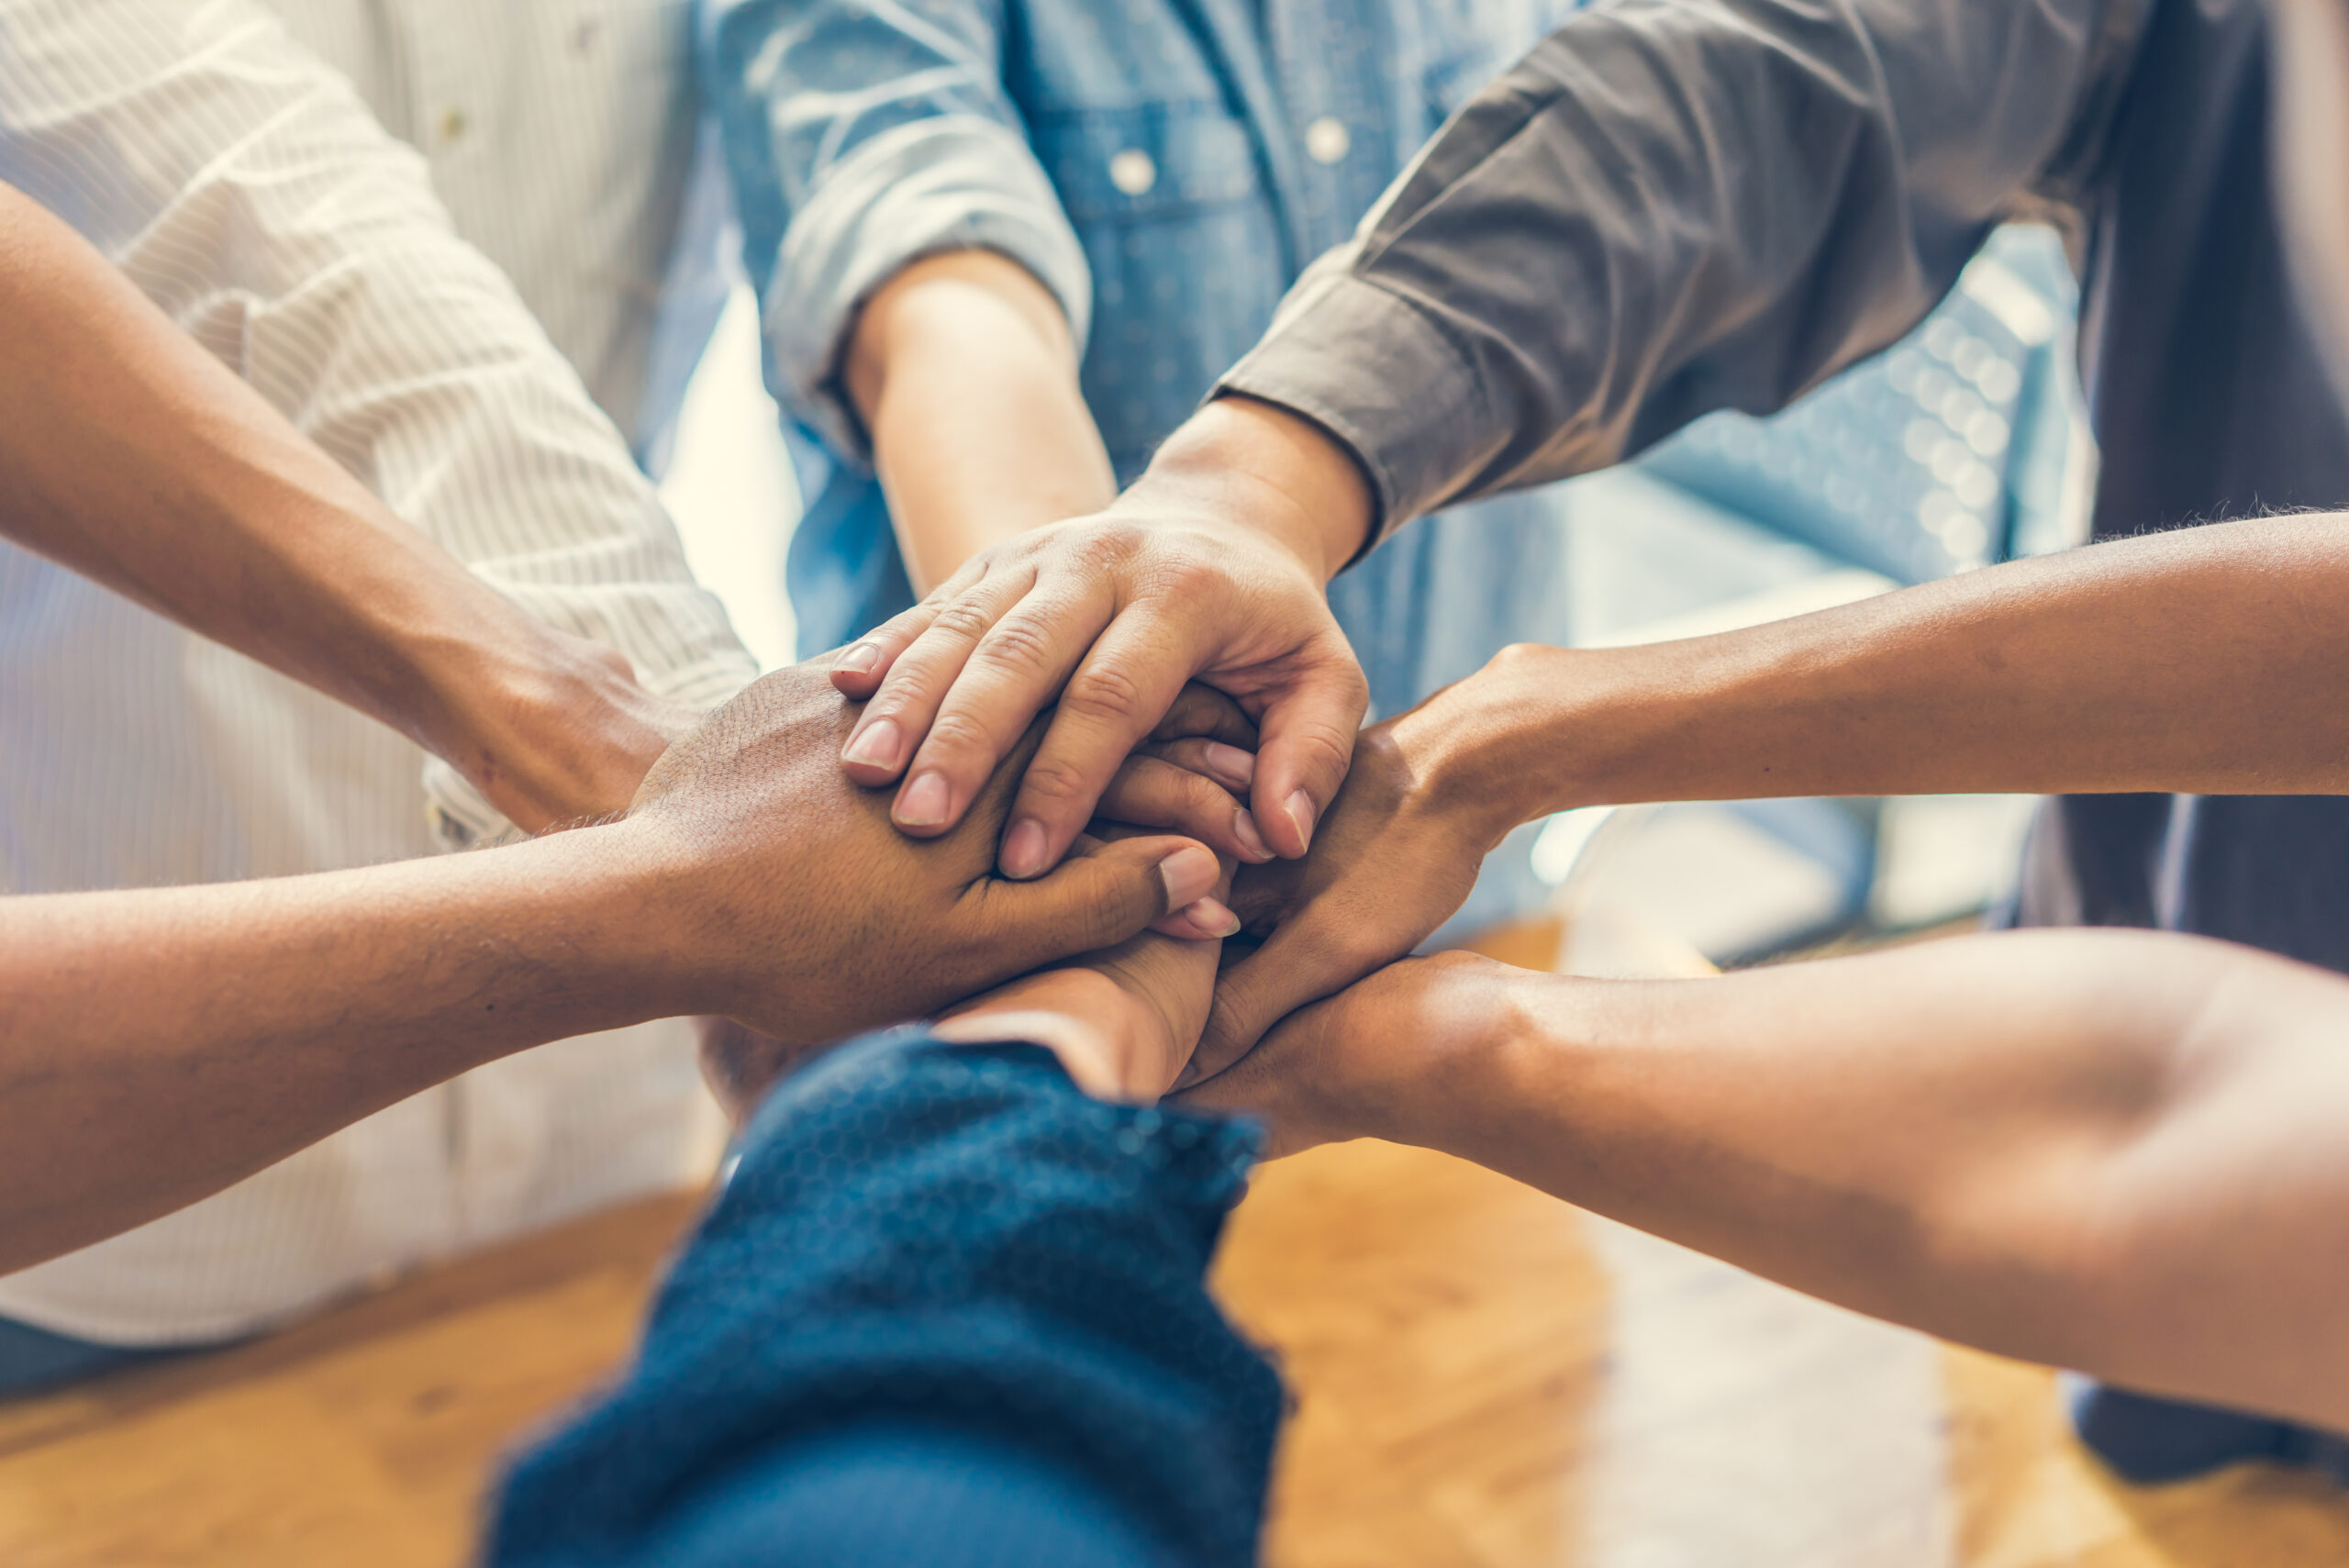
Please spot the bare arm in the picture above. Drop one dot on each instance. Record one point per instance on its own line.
(2123, 1152)
(2205, 659)
(962, 368)
(132, 456)
(157, 1045)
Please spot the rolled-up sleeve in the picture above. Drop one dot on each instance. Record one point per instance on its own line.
(243, 185)
(1675, 207)
(861, 135)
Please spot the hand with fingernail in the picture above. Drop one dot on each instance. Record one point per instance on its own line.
(1190, 777)
(805, 916)
(1211, 570)
(1396, 856)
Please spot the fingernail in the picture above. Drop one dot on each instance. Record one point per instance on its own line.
(1244, 828)
(1230, 766)
(1210, 918)
(1190, 875)
(876, 745)
(859, 659)
(1300, 815)
(924, 803)
(1023, 849)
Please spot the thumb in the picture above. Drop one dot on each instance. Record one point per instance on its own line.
(1307, 742)
(1096, 899)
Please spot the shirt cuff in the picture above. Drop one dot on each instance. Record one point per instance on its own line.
(1374, 369)
(950, 182)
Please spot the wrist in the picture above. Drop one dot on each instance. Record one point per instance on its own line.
(431, 650)
(1278, 473)
(1491, 749)
(595, 929)
(1456, 1033)
(965, 374)
(1066, 1011)
(645, 908)
(551, 728)
(1543, 729)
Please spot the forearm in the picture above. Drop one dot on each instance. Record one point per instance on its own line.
(157, 1045)
(1671, 207)
(2202, 661)
(2103, 1151)
(242, 186)
(131, 456)
(963, 371)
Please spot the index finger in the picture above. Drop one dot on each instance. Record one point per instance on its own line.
(1113, 701)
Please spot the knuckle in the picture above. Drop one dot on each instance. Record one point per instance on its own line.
(1326, 750)
(1056, 782)
(1103, 690)
(955, 734)
(1101, 547)
(1186, 575)
(1203, 796)
(1017, 647)
(964, 618)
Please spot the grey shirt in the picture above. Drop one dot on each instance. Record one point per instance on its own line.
(1674, 206)
(1677, 206)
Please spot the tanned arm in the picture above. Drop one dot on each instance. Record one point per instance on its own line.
(2125, 1152)
(133, 457)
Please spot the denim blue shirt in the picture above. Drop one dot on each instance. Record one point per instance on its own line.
(1167, 168)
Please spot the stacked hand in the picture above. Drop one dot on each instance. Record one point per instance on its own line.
(794, 904)
(560, 735)
(1209, 570)
(1111, 615)
(1124, 1022)
(1396, 858)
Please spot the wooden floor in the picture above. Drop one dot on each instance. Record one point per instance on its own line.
(1483, 1377)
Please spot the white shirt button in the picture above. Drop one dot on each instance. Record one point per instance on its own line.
(1132, 171)
(1327, 139)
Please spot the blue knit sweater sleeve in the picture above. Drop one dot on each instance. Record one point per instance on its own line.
(949, 1311)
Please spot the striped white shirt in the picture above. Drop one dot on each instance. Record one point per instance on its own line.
(246, 186)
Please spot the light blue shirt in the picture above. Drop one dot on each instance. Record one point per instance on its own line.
(1167, 168)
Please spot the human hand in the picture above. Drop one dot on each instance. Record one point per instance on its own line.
(1212, 567)
(1123, 1022)
(1381, 1059)
(791, 903)
(1190, 777)
(1397, 855)
(562, 733)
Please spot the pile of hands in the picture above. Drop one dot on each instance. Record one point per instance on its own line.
(1107, 788)
(1152, 960)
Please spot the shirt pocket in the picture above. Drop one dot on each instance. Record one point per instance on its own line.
(1151, 161)
(1185, 252)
